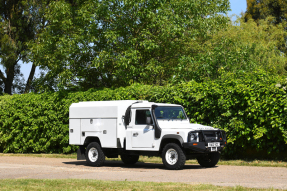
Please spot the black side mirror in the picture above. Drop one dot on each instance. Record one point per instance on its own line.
(148, 121)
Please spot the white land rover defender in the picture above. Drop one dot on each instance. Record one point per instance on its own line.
(131, 128)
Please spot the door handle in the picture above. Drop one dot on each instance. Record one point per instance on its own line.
(135, 134)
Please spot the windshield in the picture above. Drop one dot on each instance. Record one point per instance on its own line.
(169, 113)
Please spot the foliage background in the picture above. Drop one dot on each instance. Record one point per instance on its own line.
(253, 112)
(229, 75)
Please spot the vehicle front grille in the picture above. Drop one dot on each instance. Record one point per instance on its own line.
(210, 136)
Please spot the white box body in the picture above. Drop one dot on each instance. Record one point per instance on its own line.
(102, 119)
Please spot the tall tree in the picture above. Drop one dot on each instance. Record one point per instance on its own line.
(20, 22)
(109, 43)
(15, 30)
(266, 9)
(240, 49)
(261, 9)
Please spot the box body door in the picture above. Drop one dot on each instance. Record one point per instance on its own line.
(104, 129)
(75, 131)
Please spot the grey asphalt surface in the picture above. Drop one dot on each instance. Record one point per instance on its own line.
(58, 168)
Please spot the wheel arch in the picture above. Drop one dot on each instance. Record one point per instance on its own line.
(88, 140)
(170, 139)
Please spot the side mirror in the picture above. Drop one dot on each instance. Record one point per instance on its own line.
(148, 121)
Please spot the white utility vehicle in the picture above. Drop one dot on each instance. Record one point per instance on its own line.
(131, 128)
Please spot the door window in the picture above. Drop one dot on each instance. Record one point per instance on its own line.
(141, 116)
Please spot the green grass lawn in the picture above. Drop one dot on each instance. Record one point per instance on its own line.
(76, 184)
(266, 163)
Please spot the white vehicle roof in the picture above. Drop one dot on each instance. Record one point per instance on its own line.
(108, 109)
(99, 109)
(149, 104)
(134, 103)
(104, 103)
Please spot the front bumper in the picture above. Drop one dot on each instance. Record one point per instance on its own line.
(205, 137)
(202, 147)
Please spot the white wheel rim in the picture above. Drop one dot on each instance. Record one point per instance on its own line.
(171, 156)
(93, 154)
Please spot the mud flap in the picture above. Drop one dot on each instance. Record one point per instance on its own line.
(81, 153)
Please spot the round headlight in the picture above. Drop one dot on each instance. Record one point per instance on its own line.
(193, 137)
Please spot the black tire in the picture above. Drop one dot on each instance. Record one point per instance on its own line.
(209, 160)
(129, 159)
(95, 155)
(173, 156)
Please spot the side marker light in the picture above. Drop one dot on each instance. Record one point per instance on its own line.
(194, 144)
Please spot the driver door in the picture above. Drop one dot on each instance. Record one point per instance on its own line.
(142, 134)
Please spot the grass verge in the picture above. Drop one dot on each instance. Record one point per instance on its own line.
(264, 163)
(76, 184)
(68, 156)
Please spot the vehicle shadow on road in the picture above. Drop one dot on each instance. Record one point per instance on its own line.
(138, 165)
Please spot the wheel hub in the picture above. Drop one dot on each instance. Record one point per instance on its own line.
(171, 156)
(93, 154)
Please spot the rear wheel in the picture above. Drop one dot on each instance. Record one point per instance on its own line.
(95, 155)
(209, 160)
(173, 157)
(129, 159)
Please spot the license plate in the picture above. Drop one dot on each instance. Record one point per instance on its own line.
(213, 149)
(215, 144)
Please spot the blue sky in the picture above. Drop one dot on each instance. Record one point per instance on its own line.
(237, 6)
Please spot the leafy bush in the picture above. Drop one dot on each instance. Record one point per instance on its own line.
(252, 111)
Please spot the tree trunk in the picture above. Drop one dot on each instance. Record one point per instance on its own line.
(29, 80)
(2, 77)
(10, 73)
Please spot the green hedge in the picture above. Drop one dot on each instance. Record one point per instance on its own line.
(252, 111)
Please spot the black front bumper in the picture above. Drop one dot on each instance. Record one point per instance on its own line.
(204, 139)
(202, 147)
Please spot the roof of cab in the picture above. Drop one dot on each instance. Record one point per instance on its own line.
(149, 104)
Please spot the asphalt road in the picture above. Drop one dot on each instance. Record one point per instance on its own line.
(56, 168)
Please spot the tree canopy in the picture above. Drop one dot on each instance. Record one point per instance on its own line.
(20, 22)
(261, 9)
(115, 43)
(82, 44)
(239, 49)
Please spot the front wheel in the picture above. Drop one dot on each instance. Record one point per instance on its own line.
(209, 160)
(173, 157)
(95, 155)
